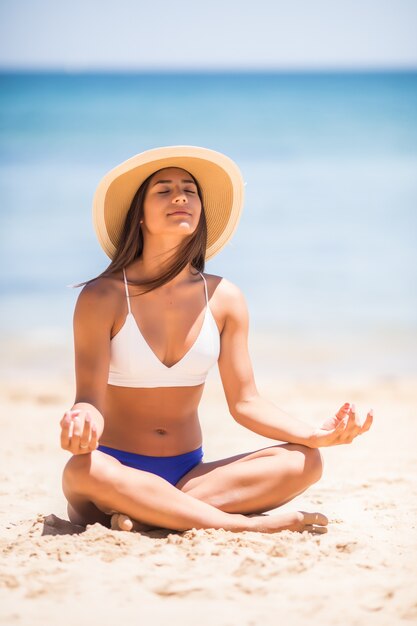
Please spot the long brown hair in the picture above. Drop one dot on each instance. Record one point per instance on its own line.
(130, 245)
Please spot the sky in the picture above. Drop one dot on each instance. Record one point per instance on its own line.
(217, 34)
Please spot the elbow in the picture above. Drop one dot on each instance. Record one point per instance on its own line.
(241, 409)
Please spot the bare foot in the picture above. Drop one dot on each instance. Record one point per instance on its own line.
(120, 521)
(297, 521)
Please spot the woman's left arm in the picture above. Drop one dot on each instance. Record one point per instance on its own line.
(261, 416)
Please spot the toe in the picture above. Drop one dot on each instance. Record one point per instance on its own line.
(121, 522)
(315, 518)
(316, 530)
(125, 523)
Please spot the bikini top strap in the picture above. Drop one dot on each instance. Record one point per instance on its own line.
(205, 287)
(127, 290)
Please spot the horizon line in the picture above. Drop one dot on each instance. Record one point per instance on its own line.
(205, 69)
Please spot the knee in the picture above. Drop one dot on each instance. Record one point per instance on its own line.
(306, 462)
(76, 473)
(313, 464)
(84, 470)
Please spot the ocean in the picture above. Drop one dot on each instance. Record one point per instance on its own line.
(326, 246)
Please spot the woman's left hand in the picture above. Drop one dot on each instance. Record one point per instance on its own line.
(342, 428)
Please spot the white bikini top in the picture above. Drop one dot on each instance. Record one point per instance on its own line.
(134, 364)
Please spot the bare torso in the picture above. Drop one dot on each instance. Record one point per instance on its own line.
(156, 422)
(161, 421)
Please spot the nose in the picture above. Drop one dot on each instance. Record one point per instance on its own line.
(180, 198)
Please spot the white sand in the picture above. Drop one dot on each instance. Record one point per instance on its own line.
(362, 572)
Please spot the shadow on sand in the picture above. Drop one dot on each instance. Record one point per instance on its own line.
(53, 525)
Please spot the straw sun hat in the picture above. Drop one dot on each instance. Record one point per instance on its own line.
(219, 178)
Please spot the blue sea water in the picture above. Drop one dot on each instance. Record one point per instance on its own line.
(327, 240)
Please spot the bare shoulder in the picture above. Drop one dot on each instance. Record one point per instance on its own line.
(227, 297)
(101, 295)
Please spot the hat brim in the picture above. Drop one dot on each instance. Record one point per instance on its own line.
(218, 176)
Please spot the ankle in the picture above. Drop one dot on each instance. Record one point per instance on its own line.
(240, 523)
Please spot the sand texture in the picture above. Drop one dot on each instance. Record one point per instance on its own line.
(362, 572)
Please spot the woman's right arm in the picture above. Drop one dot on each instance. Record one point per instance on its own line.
(83, 425)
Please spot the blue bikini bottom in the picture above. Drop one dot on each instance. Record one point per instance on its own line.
(172, 468)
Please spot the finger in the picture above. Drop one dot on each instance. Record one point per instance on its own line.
(342, 412)
(352, 416)
(93, 442)
(71, 415)
(67, 413)
(65, 436)
(339, 431)
(353, 426)
(331, 437)
(358, 424)
(368, 422)
(76, 434)
(86, 432)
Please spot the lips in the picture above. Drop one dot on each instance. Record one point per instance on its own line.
(179, 213)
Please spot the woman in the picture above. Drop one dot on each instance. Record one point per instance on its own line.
(146, 332)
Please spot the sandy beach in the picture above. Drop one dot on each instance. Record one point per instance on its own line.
(316, 104)
(362, 572)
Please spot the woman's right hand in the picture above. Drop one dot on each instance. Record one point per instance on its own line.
(78, 432)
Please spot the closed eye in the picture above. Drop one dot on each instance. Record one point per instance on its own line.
(186, 191)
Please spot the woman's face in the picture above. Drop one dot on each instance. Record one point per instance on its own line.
(172, 204)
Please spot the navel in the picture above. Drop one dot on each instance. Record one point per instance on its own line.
(161, 431)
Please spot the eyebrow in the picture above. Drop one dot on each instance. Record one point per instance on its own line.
(164, 182)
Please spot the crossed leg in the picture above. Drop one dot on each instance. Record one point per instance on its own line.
(219, 494)
(255, 482)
